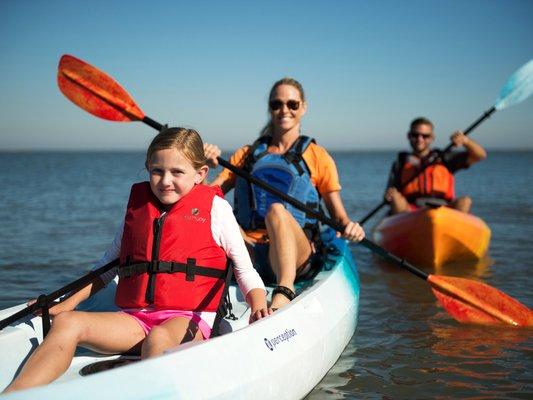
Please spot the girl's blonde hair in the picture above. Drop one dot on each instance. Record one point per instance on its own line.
(268, 128)
(188, 141)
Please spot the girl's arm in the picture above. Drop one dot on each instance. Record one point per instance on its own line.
(353, 231)
(72, 301)
(257, 300)
(227, 234)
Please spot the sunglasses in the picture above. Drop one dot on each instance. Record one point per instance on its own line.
(416, 135)
(278, 104)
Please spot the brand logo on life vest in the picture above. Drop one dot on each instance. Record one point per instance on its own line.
(272, 343)
(194, 216)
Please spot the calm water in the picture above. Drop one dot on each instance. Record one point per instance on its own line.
(60, 210)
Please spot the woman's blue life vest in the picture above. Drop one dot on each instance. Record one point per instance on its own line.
(287, 172)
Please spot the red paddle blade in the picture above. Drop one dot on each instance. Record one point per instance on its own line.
(475, 302)
(95, 91)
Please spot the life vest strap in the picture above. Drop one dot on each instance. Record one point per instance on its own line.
(225, 308)
(156, 266)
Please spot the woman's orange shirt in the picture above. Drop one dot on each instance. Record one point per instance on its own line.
(324, 175)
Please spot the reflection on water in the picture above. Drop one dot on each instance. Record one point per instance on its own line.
(406, 346)
(476, 270)
(478, 342)
(338, 377)
(492, 359)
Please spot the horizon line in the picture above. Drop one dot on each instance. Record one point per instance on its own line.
(331, 150)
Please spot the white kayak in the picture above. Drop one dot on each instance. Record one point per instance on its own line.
(283, 356)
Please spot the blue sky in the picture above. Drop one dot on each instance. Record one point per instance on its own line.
(368, 67)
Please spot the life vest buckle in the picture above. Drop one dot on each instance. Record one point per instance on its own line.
(153, 267)
(126, 272)
(189, 269)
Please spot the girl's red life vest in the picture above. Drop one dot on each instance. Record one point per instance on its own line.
(155, 244)
(436, 180)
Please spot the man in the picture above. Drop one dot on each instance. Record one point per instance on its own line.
(410, 188)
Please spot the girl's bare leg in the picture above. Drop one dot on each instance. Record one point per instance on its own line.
(107, 332)
(170, 334)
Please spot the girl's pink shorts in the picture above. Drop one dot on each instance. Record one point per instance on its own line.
(148, 319)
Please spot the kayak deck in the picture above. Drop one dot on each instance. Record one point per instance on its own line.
(433, 237)
(282, 356)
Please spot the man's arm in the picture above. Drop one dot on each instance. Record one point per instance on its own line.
(475, 151)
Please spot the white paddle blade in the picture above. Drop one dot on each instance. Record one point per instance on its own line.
(518, 87)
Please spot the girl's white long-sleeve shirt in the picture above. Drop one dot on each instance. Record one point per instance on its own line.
(226, 233)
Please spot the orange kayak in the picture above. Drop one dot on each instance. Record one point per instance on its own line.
(432, 237)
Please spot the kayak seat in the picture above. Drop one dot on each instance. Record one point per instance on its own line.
(430, 202)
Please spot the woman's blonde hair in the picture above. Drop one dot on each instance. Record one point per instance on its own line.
(269, 127)
(188, 141)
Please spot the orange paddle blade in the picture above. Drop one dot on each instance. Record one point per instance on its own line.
(475, 302)
(95, 91)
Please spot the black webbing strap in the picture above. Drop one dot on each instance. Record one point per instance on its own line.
(225, 307)
(294, 159)
(249, 162)
(155, 267)
(294, 154)
(251, 158)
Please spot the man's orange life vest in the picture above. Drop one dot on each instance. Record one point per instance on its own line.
(435, 181)
(169, 260)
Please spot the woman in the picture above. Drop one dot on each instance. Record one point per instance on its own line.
(284, 241)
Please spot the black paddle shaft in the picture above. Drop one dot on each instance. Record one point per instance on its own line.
(44, 301)
(154, 124)
(323, 218)
(302, 207)
(429, 162)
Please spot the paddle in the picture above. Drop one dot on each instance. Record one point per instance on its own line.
(518, 87)
(465, 300)
(44, 301)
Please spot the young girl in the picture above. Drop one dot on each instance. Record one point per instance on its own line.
(173, 250)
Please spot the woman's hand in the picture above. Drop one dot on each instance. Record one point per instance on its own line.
(353, 232)
(211, 153)
(261, 313)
